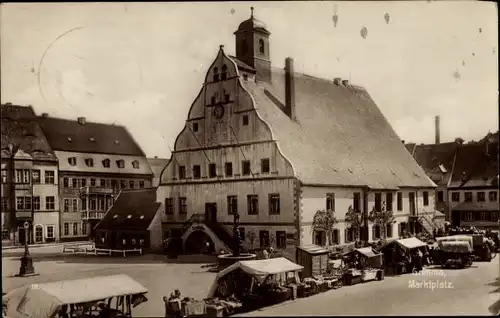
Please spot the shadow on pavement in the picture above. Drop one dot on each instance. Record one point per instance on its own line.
(118, 259)
(495, 283)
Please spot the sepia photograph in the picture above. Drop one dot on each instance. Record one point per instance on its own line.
(266, 158)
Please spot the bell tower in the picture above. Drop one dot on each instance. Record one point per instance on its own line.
(252, 47)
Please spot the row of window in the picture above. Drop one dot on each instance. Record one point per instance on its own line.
(244, 119)
(26, 176)
(228, 169)
(30, 203)
(232, 204)
(223, 74)
(38, 233)
(106, 163)
(95, 204)
(488, 216)
(78, 228)
(350, 234)
(480, 196)
(103, 183)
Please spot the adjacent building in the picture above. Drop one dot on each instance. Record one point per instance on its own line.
(157, 165)
(467, 179)
(134, 222)
(275, 146)
(29, 168)
(96, 162)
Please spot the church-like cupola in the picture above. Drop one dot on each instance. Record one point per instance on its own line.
(252, 47)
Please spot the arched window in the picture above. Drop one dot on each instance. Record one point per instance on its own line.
(261, 46)
(216, 74)
(224, 72)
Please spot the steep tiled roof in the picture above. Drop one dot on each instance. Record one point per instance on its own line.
(20, 127)
(133, 210)
(340, 136)
(242, 65)
(70, 135)
(157, 165)
(476, 165)
(436, 160)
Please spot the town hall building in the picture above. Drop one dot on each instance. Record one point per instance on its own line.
(276, 146)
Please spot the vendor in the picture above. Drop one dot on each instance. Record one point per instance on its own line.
(176, 294)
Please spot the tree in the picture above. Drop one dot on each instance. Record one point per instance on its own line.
(355, 221)
(381, 218)
(325, 220)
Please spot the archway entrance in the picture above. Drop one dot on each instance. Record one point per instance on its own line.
(196, 243)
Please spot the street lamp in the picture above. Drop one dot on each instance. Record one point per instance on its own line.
(27, 268)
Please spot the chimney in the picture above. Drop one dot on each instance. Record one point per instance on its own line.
(289, 88)
(81, 120)
(403, 142)
(438, 132)
(337, 81)
(45, 115)
(345, 83)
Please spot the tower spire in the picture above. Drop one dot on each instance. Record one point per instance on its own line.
(251, 12)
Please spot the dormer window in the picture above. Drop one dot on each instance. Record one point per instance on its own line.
(245, 77)
(72, 161)
(70, 139)
(224, 72)
(106, 163)
(141, 217)
(261, 46)
(89, 162)
(129, 216)
(195, 127)
(213, 100)
(135, 164)
(92, 139)
(117, 142)
(115, 216)
(226, 97)
(216, 74)
(245, 120)
(120, 163)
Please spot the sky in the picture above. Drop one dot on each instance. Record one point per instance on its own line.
(141, 65)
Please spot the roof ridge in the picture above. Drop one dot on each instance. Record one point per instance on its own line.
(76, 121)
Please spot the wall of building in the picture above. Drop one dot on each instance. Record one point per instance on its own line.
(156, 232)
(490, 208)
(314, 199)
(197, 195)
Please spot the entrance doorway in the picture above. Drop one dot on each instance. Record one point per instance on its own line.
(21, 232)
(211, 212)
(199, 242)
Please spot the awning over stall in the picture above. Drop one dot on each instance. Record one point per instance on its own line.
(366, 251)
(411, 243)
(259, 269)
(44, 300)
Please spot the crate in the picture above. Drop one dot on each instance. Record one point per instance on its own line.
(215, 311)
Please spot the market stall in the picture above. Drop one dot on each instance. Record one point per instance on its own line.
(402, 256)
(362, 264)
(314, 258)
(257, 283)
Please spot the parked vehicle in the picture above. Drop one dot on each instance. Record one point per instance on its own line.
(457, 254)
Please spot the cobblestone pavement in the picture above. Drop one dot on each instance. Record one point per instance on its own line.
(471, 293)
(153, 271)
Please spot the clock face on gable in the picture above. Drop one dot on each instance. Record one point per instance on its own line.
(218, 111)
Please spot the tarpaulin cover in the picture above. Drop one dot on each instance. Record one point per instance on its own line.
(455, 246)
(411, 243)
(367, 251)
(455, 238)
(259, 269)
(45, 300)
